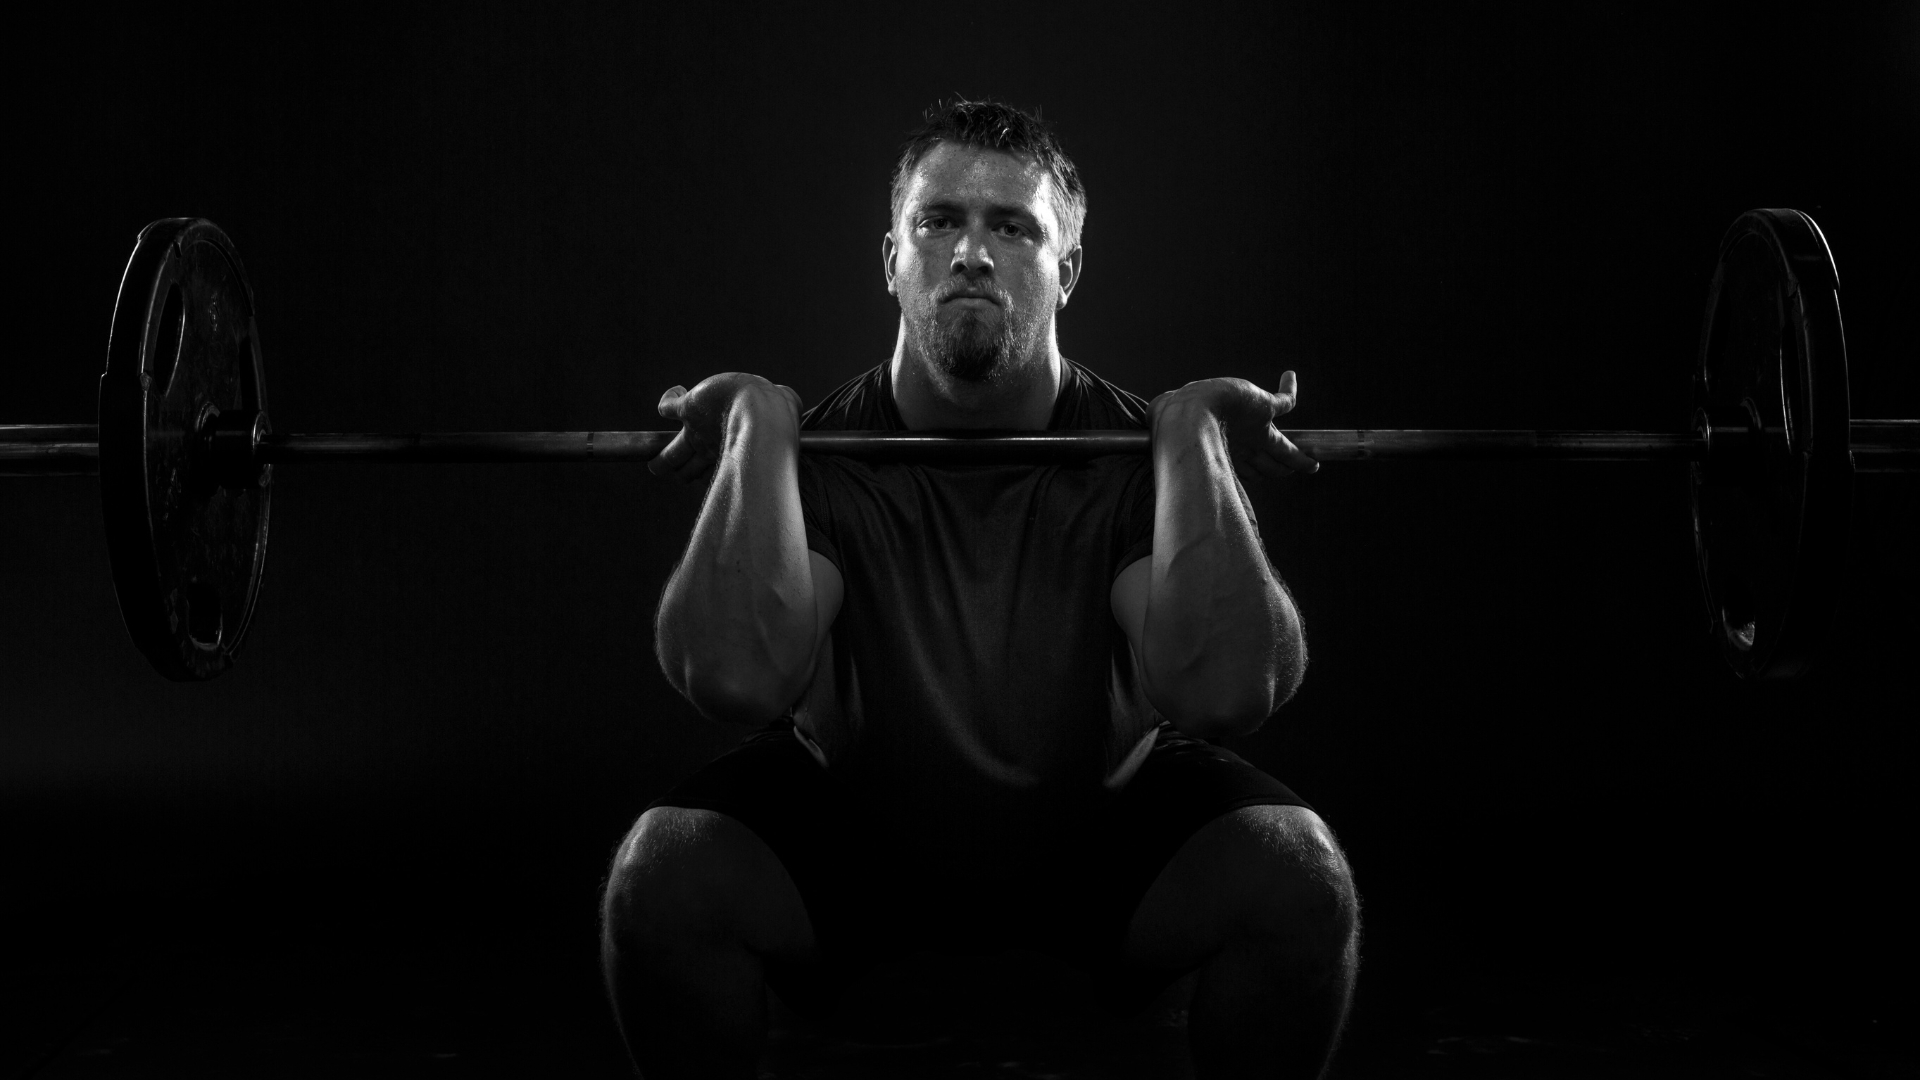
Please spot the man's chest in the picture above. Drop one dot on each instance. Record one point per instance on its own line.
(982, 540)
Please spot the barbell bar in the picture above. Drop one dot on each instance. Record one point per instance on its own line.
(186, 452)
(73, 449)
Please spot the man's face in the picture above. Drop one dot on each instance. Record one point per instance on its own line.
(976, 261)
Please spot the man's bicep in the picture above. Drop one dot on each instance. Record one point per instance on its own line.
(1129, 599)
(828, 590)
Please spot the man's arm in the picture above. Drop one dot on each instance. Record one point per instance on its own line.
(1216, 639)
(744, 613)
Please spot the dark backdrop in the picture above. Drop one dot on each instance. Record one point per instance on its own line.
(472, 218)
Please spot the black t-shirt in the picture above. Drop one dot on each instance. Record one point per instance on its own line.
(977, 690)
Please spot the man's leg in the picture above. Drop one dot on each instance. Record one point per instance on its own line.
(1262, 902)
(694, 904)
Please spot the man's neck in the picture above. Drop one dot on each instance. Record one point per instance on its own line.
(1019, 400)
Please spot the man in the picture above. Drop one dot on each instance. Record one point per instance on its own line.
(989, 687)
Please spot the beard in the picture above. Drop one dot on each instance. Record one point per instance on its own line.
(972, 346)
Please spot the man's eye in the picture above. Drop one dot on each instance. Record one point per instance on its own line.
(935, 222)
(1012, 229)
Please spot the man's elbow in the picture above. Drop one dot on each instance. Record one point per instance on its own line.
(1221, 710)
(731, 691)
(731, 675)
(1216, 715)
(737, 698)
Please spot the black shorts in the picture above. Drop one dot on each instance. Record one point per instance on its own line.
(869, 904)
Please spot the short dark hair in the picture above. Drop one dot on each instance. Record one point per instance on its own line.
(994, 126)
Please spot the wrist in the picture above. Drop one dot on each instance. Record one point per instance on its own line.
(1186, 423)
(762, 410)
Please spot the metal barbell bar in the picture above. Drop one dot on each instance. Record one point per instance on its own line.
(1876, 446)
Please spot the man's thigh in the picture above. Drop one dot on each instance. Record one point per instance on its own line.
(834, 874)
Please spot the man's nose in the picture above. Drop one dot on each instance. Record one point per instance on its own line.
(970, 255)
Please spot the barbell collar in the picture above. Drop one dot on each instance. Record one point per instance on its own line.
(230, 449)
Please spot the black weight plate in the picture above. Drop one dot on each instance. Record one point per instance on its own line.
(187, 553)
(1770, 510)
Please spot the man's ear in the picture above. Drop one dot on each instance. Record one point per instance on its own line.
(1069, 275)
(888, 249)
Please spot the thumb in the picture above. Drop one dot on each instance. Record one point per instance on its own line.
(1288, 395)
(672, 403)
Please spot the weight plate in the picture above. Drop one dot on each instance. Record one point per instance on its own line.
(1771, 502)
(187, 552)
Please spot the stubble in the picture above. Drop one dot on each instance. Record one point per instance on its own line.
(970, 346)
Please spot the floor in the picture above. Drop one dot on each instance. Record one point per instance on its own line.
(349, 963)
(220, 1009)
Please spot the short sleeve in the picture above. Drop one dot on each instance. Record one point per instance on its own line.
(816, 510)
(1134, 521)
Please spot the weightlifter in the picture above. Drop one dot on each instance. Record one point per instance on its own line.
(987, 696)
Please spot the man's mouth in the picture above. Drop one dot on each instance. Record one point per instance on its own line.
(986, 297)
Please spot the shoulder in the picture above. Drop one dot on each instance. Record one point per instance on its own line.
(862, 403)
(1089, 402)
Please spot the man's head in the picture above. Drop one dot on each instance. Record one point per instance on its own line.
(985, 241)
(989, 125)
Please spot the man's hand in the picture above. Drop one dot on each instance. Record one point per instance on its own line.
(1245, 415)
(712, 413)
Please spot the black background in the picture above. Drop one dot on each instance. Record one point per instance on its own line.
(489, 217)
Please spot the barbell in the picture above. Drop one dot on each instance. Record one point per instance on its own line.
(186, 454)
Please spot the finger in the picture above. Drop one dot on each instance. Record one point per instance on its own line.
(1255, 470)
(690, 469)
(700, 471)
(1268, 467)
(1288, 394)
(1282, 450)
(673, 402)
(676, 454)
(695, 470)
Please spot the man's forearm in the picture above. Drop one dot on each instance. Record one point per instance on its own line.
(736, 628)
(1223, 643)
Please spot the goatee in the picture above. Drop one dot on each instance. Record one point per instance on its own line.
(969, 347)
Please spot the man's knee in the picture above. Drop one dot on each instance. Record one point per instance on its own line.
(1298, 885)
(687, 877)
(1268, 877)
(659, 875)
